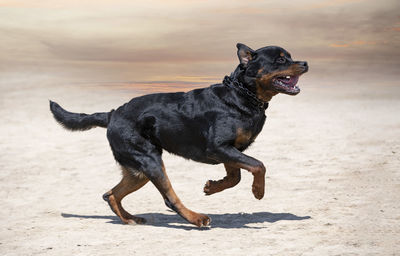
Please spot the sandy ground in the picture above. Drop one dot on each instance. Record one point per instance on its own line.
(333, 179)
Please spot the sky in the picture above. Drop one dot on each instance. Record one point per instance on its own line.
(188, 42)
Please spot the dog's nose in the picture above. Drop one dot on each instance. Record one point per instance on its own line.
(303, 63)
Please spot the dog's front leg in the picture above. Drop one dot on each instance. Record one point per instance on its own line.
(231, 179)
(230, 156)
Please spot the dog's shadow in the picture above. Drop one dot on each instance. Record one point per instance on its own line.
(226, 221)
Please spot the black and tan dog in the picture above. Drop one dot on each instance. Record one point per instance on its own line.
(211, 125)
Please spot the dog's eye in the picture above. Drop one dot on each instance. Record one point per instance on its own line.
(280, 60)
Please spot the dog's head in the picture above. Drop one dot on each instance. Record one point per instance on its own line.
(271, 69)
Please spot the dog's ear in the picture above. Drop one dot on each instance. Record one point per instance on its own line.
(244, 53)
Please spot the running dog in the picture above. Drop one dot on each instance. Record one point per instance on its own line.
(211, 125)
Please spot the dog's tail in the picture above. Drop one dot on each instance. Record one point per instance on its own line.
(79, 121)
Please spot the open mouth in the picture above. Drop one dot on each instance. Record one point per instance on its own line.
(286, 84)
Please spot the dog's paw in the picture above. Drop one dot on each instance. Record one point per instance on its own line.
(201, 220)
(133, 220)
(258, 191)
(209, 188)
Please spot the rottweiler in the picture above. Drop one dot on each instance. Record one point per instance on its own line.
(211, 125)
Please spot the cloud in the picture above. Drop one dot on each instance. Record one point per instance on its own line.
(356, 43)
(93, 50)
(339, 45)
(330, 3)
(181, 40)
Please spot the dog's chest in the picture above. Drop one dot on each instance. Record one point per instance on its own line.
(243, 138)
(246, 134)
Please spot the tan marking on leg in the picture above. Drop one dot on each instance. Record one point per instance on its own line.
(169, 194)
(258, 172)
(258, 187)
(230, 180)
(130, 182)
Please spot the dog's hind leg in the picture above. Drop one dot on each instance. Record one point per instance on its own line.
(159, 178)
(231, 179)
(131, 181)
(131, 149)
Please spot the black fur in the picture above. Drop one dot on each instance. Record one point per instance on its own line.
(78, 122)
(210, 125)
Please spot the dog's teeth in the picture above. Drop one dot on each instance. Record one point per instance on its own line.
(287, 77)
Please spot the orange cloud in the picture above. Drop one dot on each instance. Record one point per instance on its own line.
(339, 45)
(150, 87)
(354, 43)
(197, 79)
(361, 42)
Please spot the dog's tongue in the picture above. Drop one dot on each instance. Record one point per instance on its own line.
(290, 80)
(293, 80)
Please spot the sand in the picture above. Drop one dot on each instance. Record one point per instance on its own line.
(333, 179)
